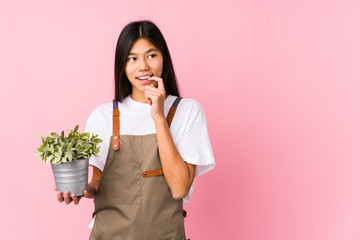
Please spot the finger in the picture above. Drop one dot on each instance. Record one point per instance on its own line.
(154, 83)
(159, 81)
(160, 93)
(67, 198)
(151, 97)
(149, 94)
(151, 88)
(75, 199)
(60, 197)
(154, 96)
(154, 91)
(149, 100)
(54, 187)
(88, 194)
(91, 191)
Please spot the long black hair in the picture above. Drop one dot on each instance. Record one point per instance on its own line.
(128, 36)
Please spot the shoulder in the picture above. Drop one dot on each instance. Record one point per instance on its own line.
(185, 103)
(188, 113)
(193, 108)
(101, 113)
(189, 102)
(103, 108)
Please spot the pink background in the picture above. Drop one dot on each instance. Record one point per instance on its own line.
(279, 82)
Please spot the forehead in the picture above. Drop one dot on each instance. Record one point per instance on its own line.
(141, 46)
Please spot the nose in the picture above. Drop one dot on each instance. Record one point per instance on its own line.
(143, 65)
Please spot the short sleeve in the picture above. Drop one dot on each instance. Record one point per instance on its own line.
(195, 146)
(90, 128)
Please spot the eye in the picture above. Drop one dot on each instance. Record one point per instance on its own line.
(152, 55)
(131, 58)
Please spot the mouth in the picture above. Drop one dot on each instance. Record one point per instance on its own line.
(144, 78)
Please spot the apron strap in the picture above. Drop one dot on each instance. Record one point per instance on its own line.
(172, 111)
(116, 120)
(116, 126)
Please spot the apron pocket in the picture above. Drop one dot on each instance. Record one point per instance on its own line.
(126, 184)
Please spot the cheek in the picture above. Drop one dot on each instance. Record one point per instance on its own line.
(129, 71)
(159, 66)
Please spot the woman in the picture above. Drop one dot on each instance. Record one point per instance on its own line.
(155, 143)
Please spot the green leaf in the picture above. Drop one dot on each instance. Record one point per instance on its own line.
(54, 135)
(49, 158)
(52, 150)
(56, 160)
(75, 145)
(68, 155)
(39, 153)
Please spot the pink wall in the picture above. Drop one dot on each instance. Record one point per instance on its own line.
(279, 82)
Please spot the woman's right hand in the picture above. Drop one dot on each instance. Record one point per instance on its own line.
(90, 193)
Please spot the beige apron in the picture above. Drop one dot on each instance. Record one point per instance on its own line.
(133, 201)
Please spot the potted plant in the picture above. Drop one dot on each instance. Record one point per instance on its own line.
(69, 157)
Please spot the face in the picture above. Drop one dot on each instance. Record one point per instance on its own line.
(144, 61)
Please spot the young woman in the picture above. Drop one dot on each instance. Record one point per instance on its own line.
(154, 144)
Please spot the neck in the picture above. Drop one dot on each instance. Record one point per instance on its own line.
(139, 97)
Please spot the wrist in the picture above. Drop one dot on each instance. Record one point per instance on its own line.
(159, 120)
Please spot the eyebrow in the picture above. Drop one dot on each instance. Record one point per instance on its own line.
(151, 49)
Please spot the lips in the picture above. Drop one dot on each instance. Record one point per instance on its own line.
(144, 77)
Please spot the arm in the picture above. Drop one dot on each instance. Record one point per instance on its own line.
(94, 184)
(179, 175)
(90, 193)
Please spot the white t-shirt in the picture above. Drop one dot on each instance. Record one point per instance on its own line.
(188, 130)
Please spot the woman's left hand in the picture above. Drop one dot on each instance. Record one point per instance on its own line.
(156, 97)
